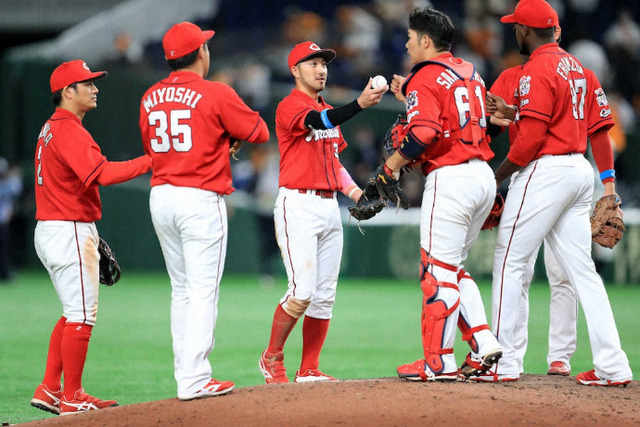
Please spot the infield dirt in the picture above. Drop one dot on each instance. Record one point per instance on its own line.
(534, 400)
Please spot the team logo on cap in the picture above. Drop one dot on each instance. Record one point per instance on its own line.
(524, 85)
(314, 46)
(601, 97)
(85, 66)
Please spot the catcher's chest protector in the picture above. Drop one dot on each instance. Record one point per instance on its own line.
(470, 130)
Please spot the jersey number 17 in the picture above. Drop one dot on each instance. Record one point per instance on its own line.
(578, 90)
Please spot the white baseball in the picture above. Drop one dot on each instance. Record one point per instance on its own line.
(378, 81)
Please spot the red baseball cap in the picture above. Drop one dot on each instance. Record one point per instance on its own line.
(184, 38)
(72, 72)
(307, 50)
(533, 13)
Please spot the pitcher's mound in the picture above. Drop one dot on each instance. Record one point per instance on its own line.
(533, 400)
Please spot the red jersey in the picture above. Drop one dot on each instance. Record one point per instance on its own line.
(67, 162)
(308, 158)
(553, 88)
(186, 122)
(447, 95)
(506, 87)
(598, 112)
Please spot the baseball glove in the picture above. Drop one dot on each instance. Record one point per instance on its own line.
(607, 226)
(395, 134)
(369, 204)
(236, 145)
(496, 212)
(389, 188)
(109, 268)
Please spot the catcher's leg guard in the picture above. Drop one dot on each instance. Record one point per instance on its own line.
(485, 350)
(440, 302)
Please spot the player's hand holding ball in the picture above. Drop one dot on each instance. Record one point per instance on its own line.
(378, 82)
(372, 93)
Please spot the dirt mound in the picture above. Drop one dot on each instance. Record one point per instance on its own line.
(533, 400)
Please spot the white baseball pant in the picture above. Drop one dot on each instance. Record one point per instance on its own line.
(563, 312)
(69, 252)
(309, 233)
(191, 225)
(455, 203)
(551, 199)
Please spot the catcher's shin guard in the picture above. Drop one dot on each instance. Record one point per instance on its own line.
(437, 306)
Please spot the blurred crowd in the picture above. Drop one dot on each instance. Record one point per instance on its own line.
(253, 40)
(370, 38)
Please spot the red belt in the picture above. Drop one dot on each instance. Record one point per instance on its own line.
(325, 194)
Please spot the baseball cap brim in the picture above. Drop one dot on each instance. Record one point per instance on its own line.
(327, 54)
(509, 19)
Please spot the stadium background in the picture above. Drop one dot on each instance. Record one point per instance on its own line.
(249, 52)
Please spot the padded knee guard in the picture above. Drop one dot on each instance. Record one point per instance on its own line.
(434, 315)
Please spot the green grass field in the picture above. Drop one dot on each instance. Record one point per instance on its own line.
(375, 328)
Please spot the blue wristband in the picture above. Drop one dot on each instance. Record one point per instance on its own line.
(609, 173)
(325, 119)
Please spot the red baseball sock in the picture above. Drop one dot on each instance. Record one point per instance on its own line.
(282, 326)
(53, 370)
(75, 343)
(314, 333)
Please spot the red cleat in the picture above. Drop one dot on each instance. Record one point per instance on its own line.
(47, 400)
(590, 378)
(83, 402)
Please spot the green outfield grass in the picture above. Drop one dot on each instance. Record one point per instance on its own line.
(375, 328)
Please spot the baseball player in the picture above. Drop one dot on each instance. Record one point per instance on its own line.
(186, 124)
(69, 168)
(307, 217)
(550, 198)
(563, 307)
(444, 98)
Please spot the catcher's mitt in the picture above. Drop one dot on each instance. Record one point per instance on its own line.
(389, 188)
(496, 212)
(369, 204)
(607, 225)
(109, 268)
(395, 134)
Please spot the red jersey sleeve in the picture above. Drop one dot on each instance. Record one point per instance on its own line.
(599, 114)
(506, 87)
(237, 116)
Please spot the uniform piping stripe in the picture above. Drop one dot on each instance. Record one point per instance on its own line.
(326, 171)
(333, 171)
(92, 173)
(534, 113)
(286, 233)
(254, 129)
(295, 118)
(84, 308)
(220, 266)
(506, 255)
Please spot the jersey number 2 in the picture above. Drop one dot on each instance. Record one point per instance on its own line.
(171, 131)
